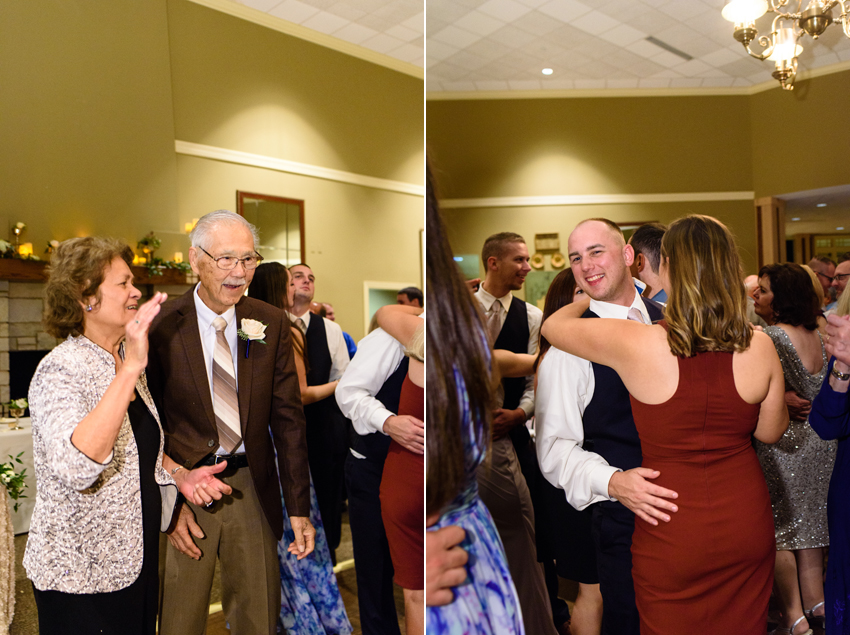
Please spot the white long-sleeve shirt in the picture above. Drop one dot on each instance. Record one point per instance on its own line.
(565, 387)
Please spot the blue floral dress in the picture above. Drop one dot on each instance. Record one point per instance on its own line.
(310, 603)
(487, 602)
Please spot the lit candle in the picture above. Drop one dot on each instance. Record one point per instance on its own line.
(135, 259)
(178, 256)
(25, 249)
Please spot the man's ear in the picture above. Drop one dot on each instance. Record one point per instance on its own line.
(640, 262)
(628, 255)
(492, 263)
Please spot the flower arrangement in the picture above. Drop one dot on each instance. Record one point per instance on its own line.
(18, 404)
(12, 480)
(149, 244)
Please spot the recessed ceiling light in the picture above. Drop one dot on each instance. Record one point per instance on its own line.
(796, 218)
(841, 229)
(821, 205)
(547, 71)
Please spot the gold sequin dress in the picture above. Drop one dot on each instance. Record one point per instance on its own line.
(799, 466)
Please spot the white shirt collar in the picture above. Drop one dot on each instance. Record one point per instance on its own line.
(305, 317)
(618, 311)
(206, 315)
(486, 298)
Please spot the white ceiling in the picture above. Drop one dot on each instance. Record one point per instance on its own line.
(391, 27)
(502, 45)
(811, 219)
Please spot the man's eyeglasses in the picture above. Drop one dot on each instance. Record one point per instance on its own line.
(228, 263)
(841, 277)
(824, 276)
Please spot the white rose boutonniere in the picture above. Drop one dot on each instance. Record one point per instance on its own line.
(252, 331)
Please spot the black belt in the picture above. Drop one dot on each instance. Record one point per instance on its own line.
(233, 460)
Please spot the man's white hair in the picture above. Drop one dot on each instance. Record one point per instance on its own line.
(200, 234)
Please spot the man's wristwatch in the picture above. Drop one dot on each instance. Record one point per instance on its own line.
(839, 375)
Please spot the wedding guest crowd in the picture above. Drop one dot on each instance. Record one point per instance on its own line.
(680, 440)
(206, 395)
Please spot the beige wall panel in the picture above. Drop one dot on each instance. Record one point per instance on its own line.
(240, 86)
(352, 233)
(590, 146)
(86, 141)
(801, 140)
(469, 228)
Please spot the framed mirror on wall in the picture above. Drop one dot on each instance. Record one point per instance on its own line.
(281, 224)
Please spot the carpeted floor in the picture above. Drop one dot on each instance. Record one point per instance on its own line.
(26, 619)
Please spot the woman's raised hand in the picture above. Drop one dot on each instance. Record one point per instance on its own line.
(136, 333)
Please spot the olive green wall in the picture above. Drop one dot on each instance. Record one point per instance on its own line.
(86, 124)
(801, 140)
(94, 96)
(642, 145)
(243, 87)
(539, 147)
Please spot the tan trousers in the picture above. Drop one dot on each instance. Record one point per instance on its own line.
(503, 489)
(237, 531)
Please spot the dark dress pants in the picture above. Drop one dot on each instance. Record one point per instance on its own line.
(372, 563)
(612, 530)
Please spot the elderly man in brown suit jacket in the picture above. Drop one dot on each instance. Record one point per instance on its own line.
(222, 397)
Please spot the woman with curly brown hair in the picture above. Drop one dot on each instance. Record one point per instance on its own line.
(701, 384)
(92, 551)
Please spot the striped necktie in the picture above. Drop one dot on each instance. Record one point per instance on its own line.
(225, 403)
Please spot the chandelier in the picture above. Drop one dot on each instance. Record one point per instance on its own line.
(781, 45)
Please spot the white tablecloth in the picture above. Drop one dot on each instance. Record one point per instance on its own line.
(11, 443)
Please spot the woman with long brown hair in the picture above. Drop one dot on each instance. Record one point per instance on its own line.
(457, 436)
(701, 384)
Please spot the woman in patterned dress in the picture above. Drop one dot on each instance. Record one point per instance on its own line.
(798, 467)
(310, 602)
(457, 432)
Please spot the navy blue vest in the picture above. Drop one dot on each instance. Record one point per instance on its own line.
(319, 357)
(375, 446)
(609, 428)
(514, 337)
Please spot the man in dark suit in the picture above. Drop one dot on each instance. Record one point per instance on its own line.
(327, 429)
(222, 397)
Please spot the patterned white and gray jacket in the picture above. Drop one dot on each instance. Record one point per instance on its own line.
(86, 530)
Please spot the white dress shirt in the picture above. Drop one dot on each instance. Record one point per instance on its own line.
(205, 327)
(336, 343)
(535, 317)
(565, 385)
(378, 356)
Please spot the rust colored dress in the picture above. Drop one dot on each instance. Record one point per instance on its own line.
(710, 569)
(402, 498)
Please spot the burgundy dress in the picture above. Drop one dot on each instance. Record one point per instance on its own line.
(402, 498)
(711, 567)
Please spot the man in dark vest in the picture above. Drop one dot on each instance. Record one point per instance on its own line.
(513, 325)
(587, 443)
(368, 394)
(327, 428)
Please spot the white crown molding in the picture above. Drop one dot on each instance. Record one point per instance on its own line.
(803, 75)
(296, 30)
(293, 167)
(593, 199)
